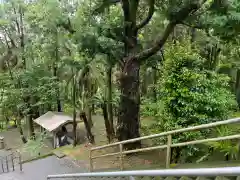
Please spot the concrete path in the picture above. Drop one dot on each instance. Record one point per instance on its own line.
(39, 169)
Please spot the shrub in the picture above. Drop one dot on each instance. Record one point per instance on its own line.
(191, 94)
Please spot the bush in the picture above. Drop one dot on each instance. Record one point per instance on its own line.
(191, 94)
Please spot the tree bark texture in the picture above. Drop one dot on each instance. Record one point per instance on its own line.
(106, 122)
(89, 115)
(88, 127)
(88, 91)
(30, 126)
(74, 112)
(237, 87)
(110, 100)
(19, 125)
(128, 120)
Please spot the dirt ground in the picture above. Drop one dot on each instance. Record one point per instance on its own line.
(80, 154)
(145, 160)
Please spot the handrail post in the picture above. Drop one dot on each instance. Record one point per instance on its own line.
(20, 161)
(2, 166)
(121, 156)
(12, 158)
(7, 164)
(168, 157)
(90, 161)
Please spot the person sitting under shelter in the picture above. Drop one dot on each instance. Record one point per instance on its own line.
(62, 138)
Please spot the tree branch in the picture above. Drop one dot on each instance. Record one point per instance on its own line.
(149, 16)
(126, 10)
(176, 18)
(158, 45)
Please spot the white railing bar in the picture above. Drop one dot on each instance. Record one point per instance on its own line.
(203, 126)
(226, 171)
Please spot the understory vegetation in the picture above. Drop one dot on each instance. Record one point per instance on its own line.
(174, 63)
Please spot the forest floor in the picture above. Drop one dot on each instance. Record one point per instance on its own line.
(144, 160)
(80, 154)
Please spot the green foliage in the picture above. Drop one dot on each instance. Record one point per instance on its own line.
(34, 146)
(224, 19)
(191, 95)
(228, 147)
(62, 41)
(150, 108)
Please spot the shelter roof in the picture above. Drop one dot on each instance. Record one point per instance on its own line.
(51, 121)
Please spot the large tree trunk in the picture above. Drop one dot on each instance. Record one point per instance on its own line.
(109, 101)
(29, 116)
(74, 127)
(30, 126)
(88, 91)
(237, 88)
(88, 128)
(19, 125)
(74, 112)
(128, 120)
(144, 84)
(93, 109)
(89, 115)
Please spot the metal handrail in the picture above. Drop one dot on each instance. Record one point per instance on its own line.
(193, 128)
(209, 172)
(5, 161)
(167, 146)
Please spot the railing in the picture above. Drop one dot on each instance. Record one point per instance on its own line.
(9, 162)
(226, 172)
(169, 144)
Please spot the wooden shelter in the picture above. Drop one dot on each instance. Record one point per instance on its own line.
(53, 122)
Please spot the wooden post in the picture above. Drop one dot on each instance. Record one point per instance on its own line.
(90, 161)
(20, 161)
(2, 143)
(2, 166)
(7, 164)
(168, 157)
(121, 156)
(54, 140)
(12, 158)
